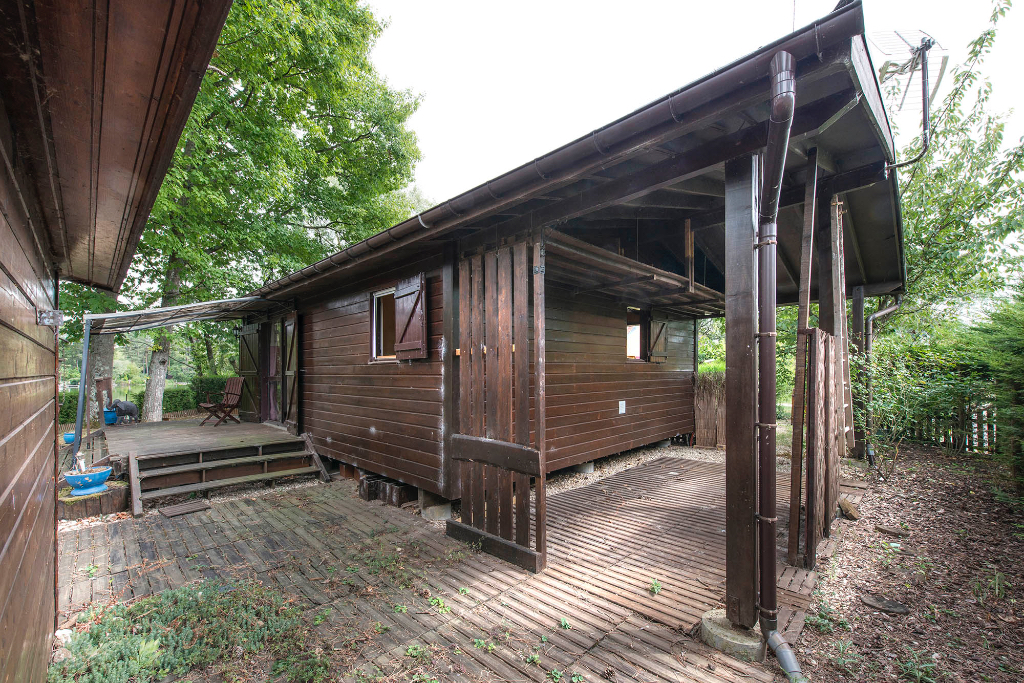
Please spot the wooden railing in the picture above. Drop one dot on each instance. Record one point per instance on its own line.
(961, 430)
(496, 499)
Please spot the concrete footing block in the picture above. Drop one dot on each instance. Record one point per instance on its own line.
(433, 507)
(717, 631)
(585, 468)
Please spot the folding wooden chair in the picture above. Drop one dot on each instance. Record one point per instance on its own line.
(231, 396)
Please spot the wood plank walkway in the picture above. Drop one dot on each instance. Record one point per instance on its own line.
(187, 436)
(325, 546)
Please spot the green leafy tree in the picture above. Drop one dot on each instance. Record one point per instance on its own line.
(295, 147)
(998, 347)
(963, 203)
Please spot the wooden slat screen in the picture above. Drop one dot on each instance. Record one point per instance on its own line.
(826, 442)
(249, 369)
(290, 372)
(493, 449)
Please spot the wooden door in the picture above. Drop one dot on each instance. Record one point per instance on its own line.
(493, 446)
(290, 372)
(249, 369)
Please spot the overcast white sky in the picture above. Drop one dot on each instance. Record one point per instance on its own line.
(505, 83)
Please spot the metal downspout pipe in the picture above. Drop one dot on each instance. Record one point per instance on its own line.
(82, 381)
(783, 103)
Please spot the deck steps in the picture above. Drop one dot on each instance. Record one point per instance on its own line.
(215, 464)
(185, 471)
(217, 483)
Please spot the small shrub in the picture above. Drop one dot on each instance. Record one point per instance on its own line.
(200, 386)
(186, 628)
(175, 399)
(417, 652)
(655, 587)
(919, 669)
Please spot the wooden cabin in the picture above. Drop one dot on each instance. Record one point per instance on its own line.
(548, 317)
(93, 99)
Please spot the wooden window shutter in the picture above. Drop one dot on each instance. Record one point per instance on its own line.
(411, 318)
(659, 340)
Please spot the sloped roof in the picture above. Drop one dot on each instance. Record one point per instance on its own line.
(97, 110)
(663, 164)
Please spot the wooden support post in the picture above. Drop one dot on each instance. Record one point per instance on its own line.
(826, 267)
(800, 382)
(845, 396)
(466, 384)
(741, 183)
(857, 332)
(688, 253)
(450, 479)
(136, 485)
(540, 399)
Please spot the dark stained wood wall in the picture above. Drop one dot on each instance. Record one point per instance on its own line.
(27, 446)
(385, 417)
(588, 374)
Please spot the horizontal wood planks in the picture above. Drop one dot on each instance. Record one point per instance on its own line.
(588, 374)
(382, 416)
(27, 424)
(607, 541)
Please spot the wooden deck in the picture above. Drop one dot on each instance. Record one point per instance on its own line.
(187, 436)
(607, 541)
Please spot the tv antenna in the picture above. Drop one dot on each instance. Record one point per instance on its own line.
(908, 54)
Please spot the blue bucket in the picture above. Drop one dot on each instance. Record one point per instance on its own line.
(109, 416)
(69, 437)
(86, 484)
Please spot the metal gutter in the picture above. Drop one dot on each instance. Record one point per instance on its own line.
(623, 136)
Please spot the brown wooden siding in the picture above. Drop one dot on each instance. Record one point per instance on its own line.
(27, 446)
(588, 374)
(385, 417)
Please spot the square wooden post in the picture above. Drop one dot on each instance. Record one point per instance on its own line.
(741, 183)
(827, 265)
(540, 398)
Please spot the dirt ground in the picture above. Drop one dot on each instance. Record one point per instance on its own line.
(953, 555)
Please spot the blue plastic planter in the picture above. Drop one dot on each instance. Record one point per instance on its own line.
(109, 416)
(89, 483)
(69, 437)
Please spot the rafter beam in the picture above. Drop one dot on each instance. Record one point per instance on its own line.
(689, 164)
(855, 179)
(636, 279)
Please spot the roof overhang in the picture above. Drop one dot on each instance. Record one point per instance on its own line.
(96, 95)
(663, 164)
(205, 311)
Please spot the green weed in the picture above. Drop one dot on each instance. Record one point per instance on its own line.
(186, 628)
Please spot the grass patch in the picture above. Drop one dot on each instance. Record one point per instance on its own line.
(187, 628)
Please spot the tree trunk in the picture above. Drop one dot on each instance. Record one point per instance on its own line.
(153, 408)
(211, 365)
(101, 366)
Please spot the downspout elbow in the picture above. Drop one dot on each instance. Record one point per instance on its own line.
(783, 104)
(786, 658)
